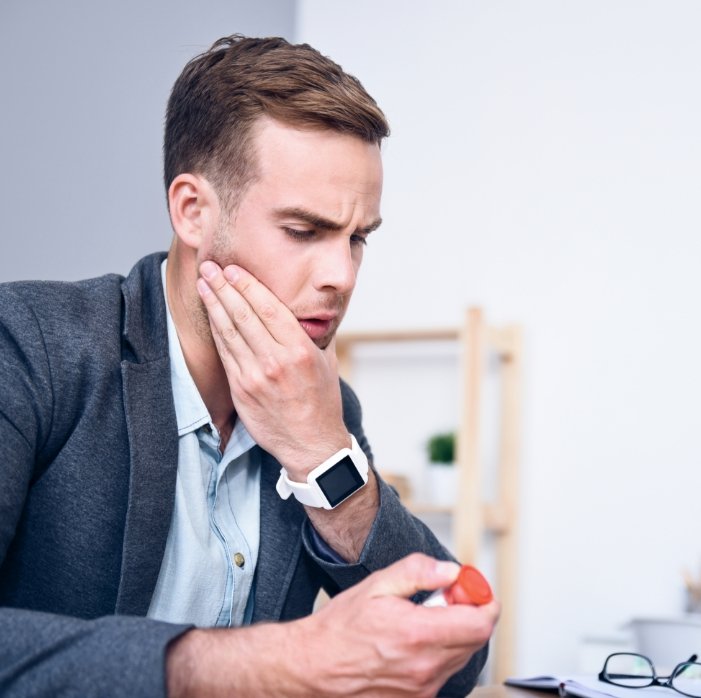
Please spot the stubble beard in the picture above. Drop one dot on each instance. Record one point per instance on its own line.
(223, 257)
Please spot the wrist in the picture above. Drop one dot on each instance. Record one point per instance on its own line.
(299, 464)
(181, 664)
(331, 482)
(259, 660)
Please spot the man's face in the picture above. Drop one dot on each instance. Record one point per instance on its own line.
(300, 227)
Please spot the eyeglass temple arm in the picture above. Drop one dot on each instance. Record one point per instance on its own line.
(685, 664)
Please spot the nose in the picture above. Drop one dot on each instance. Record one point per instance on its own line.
(337, 268)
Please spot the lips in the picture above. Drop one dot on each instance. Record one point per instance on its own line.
(319, 326)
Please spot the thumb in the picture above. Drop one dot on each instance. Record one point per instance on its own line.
(416, 572)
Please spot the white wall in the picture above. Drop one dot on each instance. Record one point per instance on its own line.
(545, 164)
(83, 89)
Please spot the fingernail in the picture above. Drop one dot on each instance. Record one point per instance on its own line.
(208, 269)
(202, 287)
(231, 274)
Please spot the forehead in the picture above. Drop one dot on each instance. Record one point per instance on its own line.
(335, 174)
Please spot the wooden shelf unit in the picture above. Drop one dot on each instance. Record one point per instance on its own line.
(473, 518)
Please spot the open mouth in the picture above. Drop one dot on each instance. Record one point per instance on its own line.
(316, 328)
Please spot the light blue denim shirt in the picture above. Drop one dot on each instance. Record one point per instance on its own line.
(210, 557)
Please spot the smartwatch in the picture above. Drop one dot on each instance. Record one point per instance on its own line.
(330, 483)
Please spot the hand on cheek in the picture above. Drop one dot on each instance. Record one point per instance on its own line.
(284, 388)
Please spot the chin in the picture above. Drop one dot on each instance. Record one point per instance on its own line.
(323, 342)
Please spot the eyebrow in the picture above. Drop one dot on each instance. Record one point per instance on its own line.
(317, 221)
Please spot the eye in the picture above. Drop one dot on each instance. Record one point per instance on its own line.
(299, 234)
(358, 240)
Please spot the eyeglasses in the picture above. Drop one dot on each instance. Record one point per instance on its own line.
(637, 671)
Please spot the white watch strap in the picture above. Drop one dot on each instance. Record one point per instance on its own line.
(303, 492)
(309, 493)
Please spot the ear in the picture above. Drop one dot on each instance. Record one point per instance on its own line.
(194, 208)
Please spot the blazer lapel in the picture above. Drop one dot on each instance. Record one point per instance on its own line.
(153, 446)
(153, 435)
(280, 544)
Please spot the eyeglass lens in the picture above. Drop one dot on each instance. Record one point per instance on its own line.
(636, 671)
(632, 670)
(687, 679)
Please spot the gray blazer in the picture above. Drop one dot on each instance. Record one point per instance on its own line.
(88, 459)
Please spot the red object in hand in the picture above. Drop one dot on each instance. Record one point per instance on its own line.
(469, 588)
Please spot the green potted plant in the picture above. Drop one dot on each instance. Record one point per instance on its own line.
(442, 474)
(441, 448)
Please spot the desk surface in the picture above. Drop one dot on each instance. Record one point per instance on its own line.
(501, 691)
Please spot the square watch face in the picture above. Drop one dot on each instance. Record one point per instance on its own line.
(340, 481)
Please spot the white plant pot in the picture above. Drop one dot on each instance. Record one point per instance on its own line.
(442, 484)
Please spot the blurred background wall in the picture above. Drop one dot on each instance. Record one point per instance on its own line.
(83, 88)
(545, 164)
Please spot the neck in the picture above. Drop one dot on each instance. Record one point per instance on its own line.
(199, 350)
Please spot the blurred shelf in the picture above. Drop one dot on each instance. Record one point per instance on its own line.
(471, 518)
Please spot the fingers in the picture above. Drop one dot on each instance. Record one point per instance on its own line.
(255, 314)
(462, 624)
(231, 346)
(416, 572)
(269, 315)
(456, 626)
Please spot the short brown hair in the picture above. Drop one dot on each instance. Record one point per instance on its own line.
(221, 93)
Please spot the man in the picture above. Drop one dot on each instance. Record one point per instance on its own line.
(180, 462)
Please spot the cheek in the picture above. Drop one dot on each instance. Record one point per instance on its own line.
(286, 286)
(278, 272)
(268, 265)
(357, 257)
(227, 248)
(280, 267)
(222, 250)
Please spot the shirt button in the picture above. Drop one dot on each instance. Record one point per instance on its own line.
(239, 560)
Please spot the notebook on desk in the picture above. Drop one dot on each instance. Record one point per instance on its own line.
(584, 686)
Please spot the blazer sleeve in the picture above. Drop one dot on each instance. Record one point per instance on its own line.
(50, 655)
(395, 533)
(43, 653)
